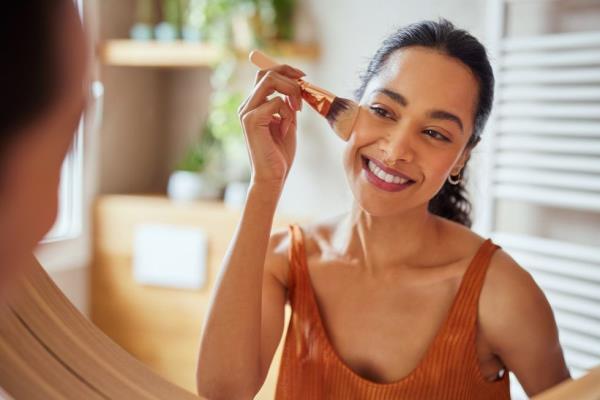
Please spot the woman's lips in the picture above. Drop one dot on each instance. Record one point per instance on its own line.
(390, 171)
(383, 180)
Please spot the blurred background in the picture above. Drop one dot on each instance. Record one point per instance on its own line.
(152, 188)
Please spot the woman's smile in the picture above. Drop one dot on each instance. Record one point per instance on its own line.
(384, 178)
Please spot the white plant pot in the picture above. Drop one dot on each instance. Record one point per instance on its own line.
(235, 194)
(190, 186)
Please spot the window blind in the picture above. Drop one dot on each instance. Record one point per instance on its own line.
(542, 156)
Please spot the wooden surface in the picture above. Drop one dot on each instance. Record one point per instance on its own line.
(124, 52)
(48, 350)
(159, 326)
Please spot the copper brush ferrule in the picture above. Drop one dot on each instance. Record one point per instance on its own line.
(340, 113)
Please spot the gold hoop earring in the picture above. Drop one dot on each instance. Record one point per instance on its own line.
(453, 180)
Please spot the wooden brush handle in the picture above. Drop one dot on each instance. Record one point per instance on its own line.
(261, 60)
(318, 98)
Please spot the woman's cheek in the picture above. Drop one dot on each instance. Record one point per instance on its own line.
(367, 128)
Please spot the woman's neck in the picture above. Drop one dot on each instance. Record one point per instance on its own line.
(380, 243)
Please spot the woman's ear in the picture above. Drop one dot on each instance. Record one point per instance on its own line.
(462, 161)
(464, 157)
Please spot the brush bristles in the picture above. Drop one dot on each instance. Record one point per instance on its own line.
(338, 106)
(342, 115)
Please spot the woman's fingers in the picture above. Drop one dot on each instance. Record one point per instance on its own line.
(292, 119)
(265, 129)
(282, 78)
(273, 82)
(283, 69)
(263, 115)
(267, 123)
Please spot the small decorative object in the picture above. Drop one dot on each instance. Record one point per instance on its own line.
(142, 29)
(165, 32)
(168, 29)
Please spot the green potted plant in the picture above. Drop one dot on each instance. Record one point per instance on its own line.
(197, 174)
(226, 128)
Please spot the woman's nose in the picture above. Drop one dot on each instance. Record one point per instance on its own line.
(396, 146)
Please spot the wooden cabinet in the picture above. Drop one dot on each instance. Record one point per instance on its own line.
(159, 326)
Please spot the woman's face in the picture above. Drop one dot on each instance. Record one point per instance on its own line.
(415, 121)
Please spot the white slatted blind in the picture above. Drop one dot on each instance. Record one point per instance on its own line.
(542, 150)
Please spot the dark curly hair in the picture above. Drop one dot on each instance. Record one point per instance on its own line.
(451, 201)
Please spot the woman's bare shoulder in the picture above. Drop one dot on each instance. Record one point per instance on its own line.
(506, 283)
(518, 323)
(459, 241)
(277, 255)
(316, 235)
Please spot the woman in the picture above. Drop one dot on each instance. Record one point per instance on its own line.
(42, 82)
(397, 298)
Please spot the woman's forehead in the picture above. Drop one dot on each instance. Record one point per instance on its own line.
(427, 74)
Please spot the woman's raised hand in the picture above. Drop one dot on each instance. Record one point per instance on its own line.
(270, 124)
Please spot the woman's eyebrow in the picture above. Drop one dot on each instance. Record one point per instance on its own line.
(395, 96)
(435, 114)
(445, 115)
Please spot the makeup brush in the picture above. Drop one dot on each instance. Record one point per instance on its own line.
(340, 113)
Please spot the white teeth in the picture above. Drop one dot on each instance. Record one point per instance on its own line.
(384, 176)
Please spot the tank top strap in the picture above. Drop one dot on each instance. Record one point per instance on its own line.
(296, 259)
(466, 304)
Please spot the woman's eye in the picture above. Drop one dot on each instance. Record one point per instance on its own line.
(380, 112)
(436, 134)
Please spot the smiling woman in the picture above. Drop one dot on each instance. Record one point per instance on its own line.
(396, 298)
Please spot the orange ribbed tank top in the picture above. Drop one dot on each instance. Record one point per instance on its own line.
(311, 369)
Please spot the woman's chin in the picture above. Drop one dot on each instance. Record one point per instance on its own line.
(378, 207)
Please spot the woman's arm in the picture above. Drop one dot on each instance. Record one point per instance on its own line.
(517, 321)
(245, 317)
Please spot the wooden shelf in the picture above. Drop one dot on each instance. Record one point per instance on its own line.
(180, 54)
